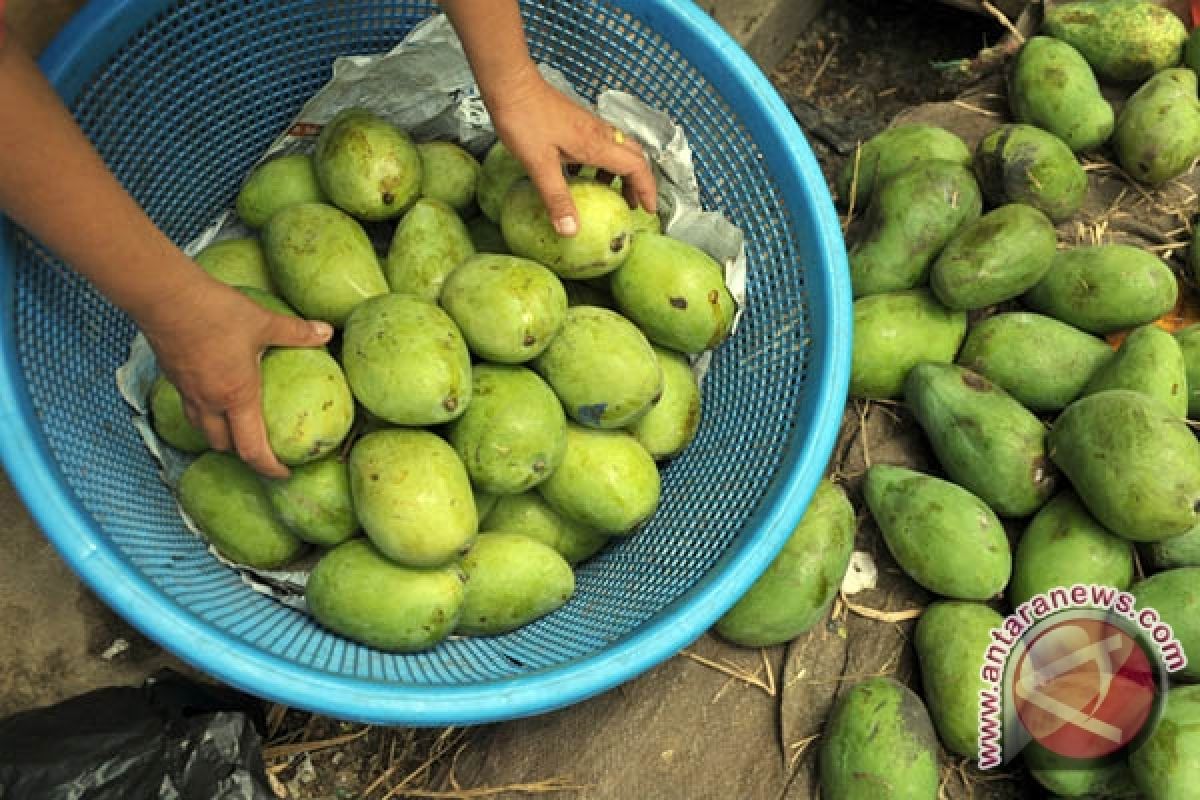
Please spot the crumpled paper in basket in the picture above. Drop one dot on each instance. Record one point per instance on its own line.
(425, 86)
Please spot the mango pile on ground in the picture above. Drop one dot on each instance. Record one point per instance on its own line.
(1023, 265)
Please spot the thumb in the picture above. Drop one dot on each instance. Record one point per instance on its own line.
(547, 176)
(287, 331)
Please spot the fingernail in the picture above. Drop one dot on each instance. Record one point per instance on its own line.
(566, 226)
(322, 329)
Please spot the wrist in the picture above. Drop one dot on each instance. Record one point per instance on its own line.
(156, 307)
(511, 86)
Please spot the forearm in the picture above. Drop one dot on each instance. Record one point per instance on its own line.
(493, 38)
(54, 185)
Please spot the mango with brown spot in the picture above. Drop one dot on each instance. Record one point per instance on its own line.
(1150, 361)
(1052, 86)
(367, 166)
(406, 361)
(1158, 130)
(1123, 40)
(1133, 462)
(911, 217)
(600, 245)
(674, 292)
(1019, 163)
(984, 439)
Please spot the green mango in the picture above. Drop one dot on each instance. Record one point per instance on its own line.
(511, 581)
(895, 331)
(1107, 777)
(1064, 545)
(643, 221)
(945, 538)
(1051, 85)
(1123, 40)
(1117, 448)
(892, 151)
(514, 432)
(1018, 163)
(1040, 361)
(367, 166)
(879, 744)
(671, 423)
(600, 246)
(1158, 130)
(314, 501)
(268, 301)
(355, 591)
(226, 500)
(995, 258)
(950, 639)
(170, 421)
(606, 481)
(322, 261)
(307, 405)
(1189, 346)
(602, 368)
(983, 438)
(486, 236)
(508, 308)
(428, 244)
(796, 590)
(406, 361)
(1177, 551)
(1164, 765)
(675, 293)
(1150, 361)
(449, 174)
(412, 496)
(528, 514)
(1175, 595)
(498, 172)
(237, 262)
(276, 184)
(1105, 288)
(912, 216)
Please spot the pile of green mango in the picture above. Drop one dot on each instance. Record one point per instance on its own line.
(496, 403)
(1056, 410)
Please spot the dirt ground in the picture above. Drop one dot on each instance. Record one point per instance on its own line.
(861, 63)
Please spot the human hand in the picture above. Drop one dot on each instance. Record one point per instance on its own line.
(544, 129)
(208, 342)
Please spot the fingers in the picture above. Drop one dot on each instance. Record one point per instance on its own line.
(547, 176)
(624, 156)
(295, 332)
(212, 425)
(249, 434)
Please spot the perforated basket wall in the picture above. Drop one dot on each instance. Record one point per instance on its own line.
(181, 99)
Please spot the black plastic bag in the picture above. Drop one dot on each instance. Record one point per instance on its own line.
(172, 738)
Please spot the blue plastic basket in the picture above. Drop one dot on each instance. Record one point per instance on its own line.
(181, 98)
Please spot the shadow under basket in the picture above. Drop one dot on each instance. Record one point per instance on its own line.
(181, 99)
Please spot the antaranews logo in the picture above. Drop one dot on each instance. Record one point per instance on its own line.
(1080, 670)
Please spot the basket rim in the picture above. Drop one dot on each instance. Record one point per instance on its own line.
(81, 542)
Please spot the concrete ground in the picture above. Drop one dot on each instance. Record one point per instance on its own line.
(58, 639)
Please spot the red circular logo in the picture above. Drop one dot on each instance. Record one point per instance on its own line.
(1083, 688)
